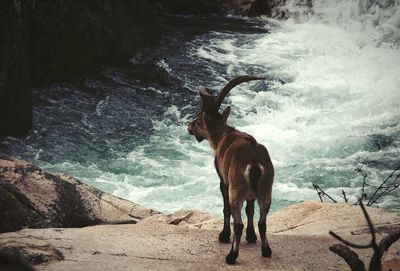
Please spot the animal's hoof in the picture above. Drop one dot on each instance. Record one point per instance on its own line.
(224, 237)
(231, 258)
(251, 236)
(266, 251)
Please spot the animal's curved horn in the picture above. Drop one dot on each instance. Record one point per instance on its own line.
(231, 84)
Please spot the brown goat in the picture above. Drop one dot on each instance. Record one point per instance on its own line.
(243, 166)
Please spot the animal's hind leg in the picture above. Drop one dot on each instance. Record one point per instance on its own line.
(262, 228)
(236, 208)
(224, 236)
(250, 233)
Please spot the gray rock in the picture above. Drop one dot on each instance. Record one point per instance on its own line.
(32, 198)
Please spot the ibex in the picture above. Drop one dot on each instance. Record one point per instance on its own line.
(243, 166)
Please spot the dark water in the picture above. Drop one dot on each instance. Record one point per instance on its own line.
(124, 130)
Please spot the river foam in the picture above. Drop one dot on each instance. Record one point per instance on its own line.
(330, 103)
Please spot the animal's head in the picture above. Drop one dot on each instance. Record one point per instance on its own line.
(209, 118)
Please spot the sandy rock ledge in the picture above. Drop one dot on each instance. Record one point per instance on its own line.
(183, 240)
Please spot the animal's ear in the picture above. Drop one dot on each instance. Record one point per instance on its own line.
(226, 113)
(208, 121)
(207, 101)
(206, 118)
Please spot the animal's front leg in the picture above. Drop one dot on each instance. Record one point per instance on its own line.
(224, 236)
(250, 233)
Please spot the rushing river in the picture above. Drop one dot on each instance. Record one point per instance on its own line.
(330, 103)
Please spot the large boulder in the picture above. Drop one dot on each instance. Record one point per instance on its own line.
(32, 198)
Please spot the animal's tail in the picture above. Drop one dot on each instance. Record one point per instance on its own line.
(254, 173)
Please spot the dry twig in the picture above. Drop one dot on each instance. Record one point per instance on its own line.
(352, 258)
(390, 184)
(321, 193)
(385, 186)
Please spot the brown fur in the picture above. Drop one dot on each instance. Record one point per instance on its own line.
(235, 153)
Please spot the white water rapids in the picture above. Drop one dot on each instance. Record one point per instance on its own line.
(330, 103)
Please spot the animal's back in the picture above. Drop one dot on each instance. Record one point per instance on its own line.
(246, 164)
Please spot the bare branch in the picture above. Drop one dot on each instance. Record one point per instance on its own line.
(349, 256)
(384, 245)
(318, 192)
(387, 189)
(322, 193)
(372, 244)
(375, 262)
(374, 197)
(370, 225)
(344, 196)
(348, 243)
(371, 229)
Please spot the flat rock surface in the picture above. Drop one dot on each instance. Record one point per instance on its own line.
(169, 247)
(316, 218)
(187, 240)
(306, 218)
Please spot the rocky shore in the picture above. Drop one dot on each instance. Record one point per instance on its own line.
(32, 198)
(55, 222)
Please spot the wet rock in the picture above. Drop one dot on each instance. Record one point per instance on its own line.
(260, 7)
(277, 9)
(251, 7)
(189, 7)
(281, 11)
(30, 197)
